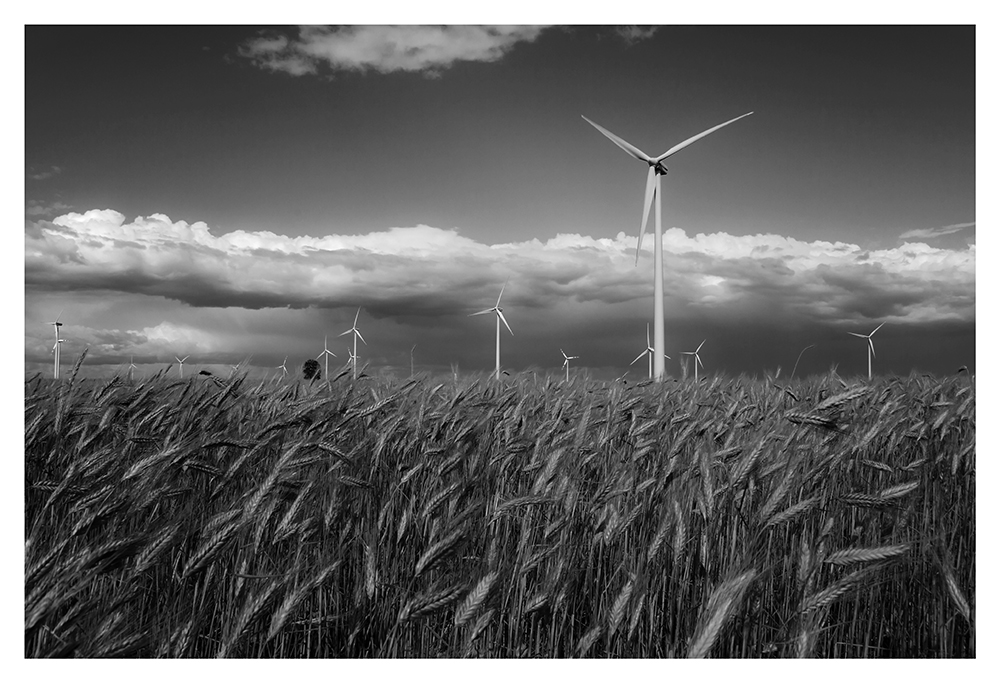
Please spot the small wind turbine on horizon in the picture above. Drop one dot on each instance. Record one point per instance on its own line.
(284, 370)
(871, 346)
(233, 369)
(55, 348)
(131, 368)
(357, 333)
(648, 352)
(181, 364)
(697, 359)
(499, 311)
(325, 355)
(566, 362)
(654, 191)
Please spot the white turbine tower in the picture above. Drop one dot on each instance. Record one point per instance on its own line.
(325, 355)
(871, 346)
(181, 362)
(357, 334)
(566, 362)
(697, 359)
(648, 352)
(55, 349)
(653, 191)
(499, 311)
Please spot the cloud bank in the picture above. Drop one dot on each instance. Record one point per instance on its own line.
(426, 272)
(384, 49)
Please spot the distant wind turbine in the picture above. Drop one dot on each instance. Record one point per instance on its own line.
(566, 362)
(55, 349)
(131, 368)
(357, 334)
(499, 311)
(325, 355)
(648, 352)
(181, 362)
(284, 370)
(653, 191)
(697, 359)
(871, 346)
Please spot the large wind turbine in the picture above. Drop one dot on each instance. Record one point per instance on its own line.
(55, 349)
(566, 362)
(357, 333)
(653, 191)
(181, 361)
(697, 359)
(499, 311)
(284, 370)
(871, 346)
(648, 352)
(325, 355)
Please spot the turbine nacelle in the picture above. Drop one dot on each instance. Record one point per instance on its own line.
(658, 167)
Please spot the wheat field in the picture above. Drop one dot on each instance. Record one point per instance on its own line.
(529, 518)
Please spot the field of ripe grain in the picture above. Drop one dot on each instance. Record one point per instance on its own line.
(203, 518)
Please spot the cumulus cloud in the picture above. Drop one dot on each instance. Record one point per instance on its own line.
(45, 174)
(425, 272)
(932, 233)
(633, 34)
(426, 49)
(42, 209)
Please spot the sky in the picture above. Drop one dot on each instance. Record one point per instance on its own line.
(230, 191)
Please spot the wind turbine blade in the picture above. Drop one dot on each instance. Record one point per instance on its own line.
(876, 329)
(700, 345)
(563, 353)
(863, 336)
(483, 312)
(501, 290)
(356, 316)
(667, 357)
(639, 356)
(676, 148)
(565, 362)
(647, 336)
(646, 203)
(697, 359)
(343, 333)
(499, 313)
(627, 146)
(360, 337)
(872, 347)
(185, 358)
